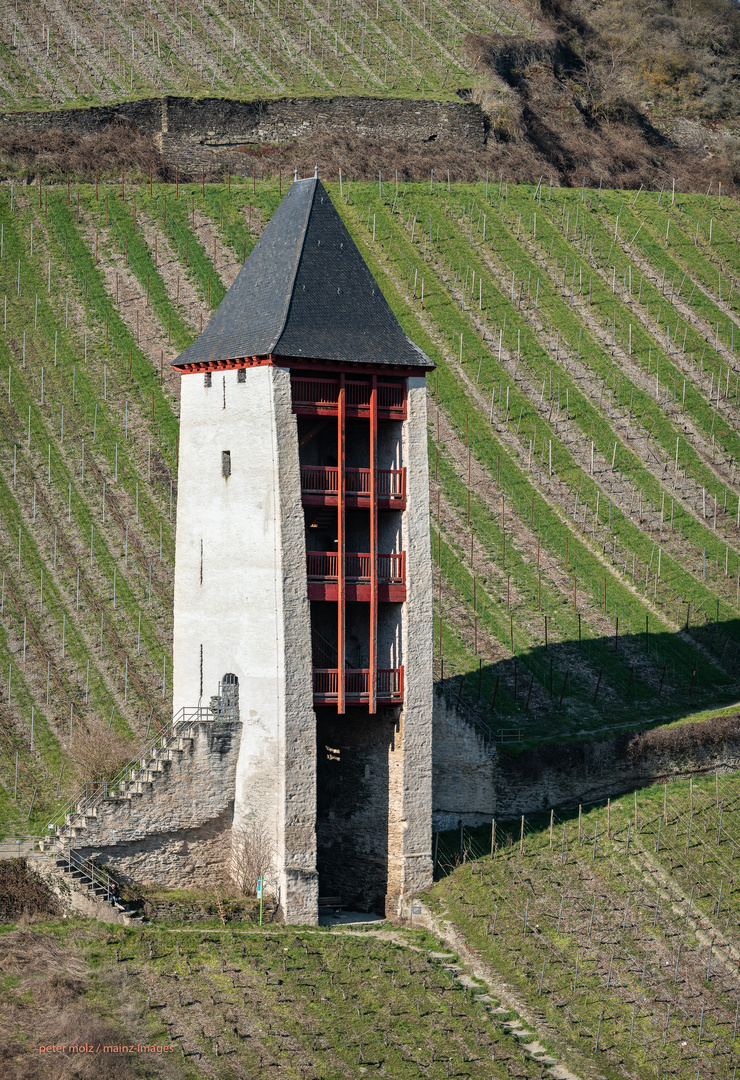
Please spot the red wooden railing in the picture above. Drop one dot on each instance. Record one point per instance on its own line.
(323, 565)
(358, 394)
(324, 480)
(324, 393)
(357, 683)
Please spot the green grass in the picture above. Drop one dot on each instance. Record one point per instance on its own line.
(336, 1003)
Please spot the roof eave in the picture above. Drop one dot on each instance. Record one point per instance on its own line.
(276, 360)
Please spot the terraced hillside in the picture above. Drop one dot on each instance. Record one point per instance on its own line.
(597, 943)
(583, 447)
(238, 1002)
(97, 51)
(613, 927)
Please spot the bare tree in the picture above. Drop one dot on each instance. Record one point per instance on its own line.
(97, 752)
(253, 856)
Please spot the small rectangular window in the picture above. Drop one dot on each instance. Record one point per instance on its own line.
(241, 375)
(226, 462)
(207, 379)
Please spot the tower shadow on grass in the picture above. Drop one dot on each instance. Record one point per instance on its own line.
(574, 689)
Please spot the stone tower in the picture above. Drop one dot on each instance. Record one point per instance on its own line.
(303, 581)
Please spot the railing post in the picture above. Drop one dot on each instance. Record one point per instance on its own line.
(341, 542)
(373, 672)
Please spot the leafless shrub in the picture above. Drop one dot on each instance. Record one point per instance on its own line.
(98, 753)
(253, 856)
(55, 153)
(22, 894)
(48, 1001)
(507, 56)
(684, 739)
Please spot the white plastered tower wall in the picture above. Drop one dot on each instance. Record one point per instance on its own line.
(410, 842)
(241, 598)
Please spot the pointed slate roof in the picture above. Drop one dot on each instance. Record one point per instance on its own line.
(305, 291)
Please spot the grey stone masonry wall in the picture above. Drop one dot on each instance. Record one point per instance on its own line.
(194, 132)
(176, 829)
(410, 763)
(474, 780)
(464, 770)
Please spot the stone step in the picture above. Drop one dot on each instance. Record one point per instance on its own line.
(172, 754)
(151, 765)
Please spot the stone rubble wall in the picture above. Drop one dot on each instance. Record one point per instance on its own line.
(464, 770)
(410, 780)
(200, 133)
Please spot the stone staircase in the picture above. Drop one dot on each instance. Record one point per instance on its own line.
(78, 882)
(85, 876)
(68, 828)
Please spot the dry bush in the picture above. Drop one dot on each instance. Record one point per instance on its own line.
(44, 1004)
(684, 739)
(683, 53)
(623, 155)
(253, 856)
(565, 102)
(22, 893)
(55, 153)
(507, 56)
(97, 753)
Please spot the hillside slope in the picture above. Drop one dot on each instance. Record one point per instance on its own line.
(584, 448)
(614, 92)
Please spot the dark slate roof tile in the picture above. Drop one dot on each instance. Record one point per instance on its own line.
(305, 291)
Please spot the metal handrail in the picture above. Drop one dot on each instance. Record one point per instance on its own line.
(96, 874)
(92, 794)
(31, 847)
(474, 718)
(20, 847)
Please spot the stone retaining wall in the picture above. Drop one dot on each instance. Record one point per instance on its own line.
(203, 132)
(474, 780)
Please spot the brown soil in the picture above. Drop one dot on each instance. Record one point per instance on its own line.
(180, 288)
(225, 263)
(47, 1006)
(632, 434)
(49, 526)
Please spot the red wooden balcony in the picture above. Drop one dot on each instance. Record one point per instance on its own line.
(319, 397)
(320, 486)
(389, 689)
(323, 572)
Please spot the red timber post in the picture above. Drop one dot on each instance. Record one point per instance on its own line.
(373, 674)
(341, 543)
